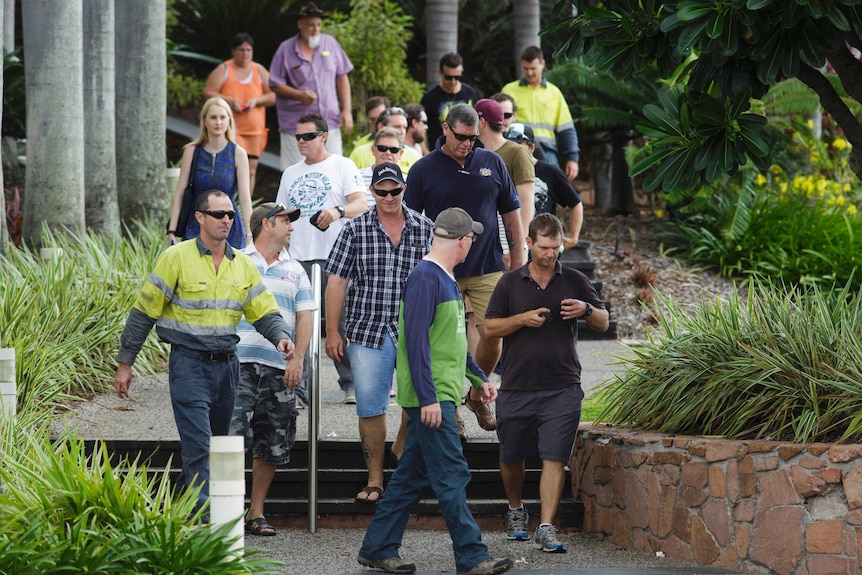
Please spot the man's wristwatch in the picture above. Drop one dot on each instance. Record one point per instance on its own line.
(589, 311)
(340, 210)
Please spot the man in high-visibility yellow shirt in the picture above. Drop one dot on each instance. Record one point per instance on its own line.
(542, 107)
(195, 297)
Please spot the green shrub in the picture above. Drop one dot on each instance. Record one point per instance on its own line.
(64, 317)
(64, 511)
(784, 364)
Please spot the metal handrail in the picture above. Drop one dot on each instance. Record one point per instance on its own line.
(313, 385)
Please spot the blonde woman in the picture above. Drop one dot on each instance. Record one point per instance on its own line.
(221, 165)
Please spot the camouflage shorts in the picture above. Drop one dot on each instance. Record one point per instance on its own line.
(265, 413)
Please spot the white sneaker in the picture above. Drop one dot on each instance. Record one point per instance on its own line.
(350, 397)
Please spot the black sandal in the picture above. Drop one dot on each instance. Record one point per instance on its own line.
(368, 490)
(259, 526)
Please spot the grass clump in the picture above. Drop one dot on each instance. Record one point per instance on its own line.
(63, 510)
(785, 364)
(64, 317)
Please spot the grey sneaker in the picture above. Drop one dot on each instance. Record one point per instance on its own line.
(490, 566)
(516, 524)
(350, 397)
(546, 540)
(390, 564)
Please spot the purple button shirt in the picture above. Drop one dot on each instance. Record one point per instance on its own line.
(290, 67)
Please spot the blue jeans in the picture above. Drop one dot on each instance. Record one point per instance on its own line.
(372, 378)
(202, 395)
(432, 458)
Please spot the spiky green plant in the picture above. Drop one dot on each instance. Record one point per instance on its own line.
(783, 364)
(64, 510)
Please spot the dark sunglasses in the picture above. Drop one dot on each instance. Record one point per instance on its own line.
(383, 193)
(508, 115)
(463, 137)
(309, 136)
(450, 77)
(219, 214)
(392, 150)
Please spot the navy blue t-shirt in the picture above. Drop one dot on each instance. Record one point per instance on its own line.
(481, 188)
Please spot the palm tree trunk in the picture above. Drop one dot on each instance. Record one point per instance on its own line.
(8, 25)
(100, 168)
(441, 24)
(4, 228)
(55, 117)
(141, 78)
(527, 16)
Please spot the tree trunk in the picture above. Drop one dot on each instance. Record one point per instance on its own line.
(8, 26)
(55, 117)
(100, 167)
(441, 23)
(141, 77)
(4, 228)
(527, 16)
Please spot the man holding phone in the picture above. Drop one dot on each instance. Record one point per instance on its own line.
(327, 189)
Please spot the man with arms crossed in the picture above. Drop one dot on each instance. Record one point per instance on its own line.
(535, 309)
(368, 266)
(456, 175)
(265, 411)
(196, 296)
(432, 363)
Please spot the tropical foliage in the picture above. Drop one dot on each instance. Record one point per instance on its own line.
(724, 52)
(63, 509)
(64, 316)
(783, 364)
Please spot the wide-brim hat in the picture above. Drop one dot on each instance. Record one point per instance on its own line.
(311, 10)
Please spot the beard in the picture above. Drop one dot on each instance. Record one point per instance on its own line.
(314, 41)
(418, 138)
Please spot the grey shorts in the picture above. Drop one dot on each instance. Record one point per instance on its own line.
(538, 423)
(265, 413)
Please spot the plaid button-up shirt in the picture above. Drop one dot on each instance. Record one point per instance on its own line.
(377, 272)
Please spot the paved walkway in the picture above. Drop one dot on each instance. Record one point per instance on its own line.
(147, 415)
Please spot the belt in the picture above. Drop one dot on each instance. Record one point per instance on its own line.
(210, 356)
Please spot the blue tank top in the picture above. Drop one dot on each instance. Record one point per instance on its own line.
(217, 172)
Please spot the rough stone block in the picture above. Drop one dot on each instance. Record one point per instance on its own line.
(829, 475)
(721, 450)
(825, 536)
(787, 452)
(671, 457)
(854, 517)
(682, 523)
(703, 546)
(604, 520)
(809, 462)
(807, 485)
(692, 496)
(629, 459)
(727, 559)
(697, 449)
(747, 477)
(776, 488)
(637, 504)
(681, 442)
(742, 538)
(852, 483)
(716, 517)
(622, 531)
(744, 511)
(605, 496)
(761, 446)
(732, 480)
(844, 453)
(694, 474)
(603, 475)
(776, 539)
(677, 548)
(829, 565)
(670, 475)
(717, 485)
(766, 463)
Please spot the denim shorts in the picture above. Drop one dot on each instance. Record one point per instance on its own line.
(538, 423)
(372, 377)
(265, 413)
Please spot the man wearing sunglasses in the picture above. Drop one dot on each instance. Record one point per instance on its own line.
(476, 180)
(196, 296)
(450, 91)
(387, 146)
(367, 269)
(395, 118)
(265, 410)
(417, 128)
(542, 106)
(328, 191)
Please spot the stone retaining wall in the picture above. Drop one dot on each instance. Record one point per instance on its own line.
(761, 506)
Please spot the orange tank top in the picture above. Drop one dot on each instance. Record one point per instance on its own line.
(251, 122)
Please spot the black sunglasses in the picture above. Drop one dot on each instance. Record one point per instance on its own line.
(508, 115)
(392, 150)
(219, 214)
(463, 137)
(450, 77)
(310, 135)
(383, 193)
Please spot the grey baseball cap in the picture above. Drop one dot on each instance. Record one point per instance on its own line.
(456, 223)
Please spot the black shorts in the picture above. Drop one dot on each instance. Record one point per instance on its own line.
(540, 424)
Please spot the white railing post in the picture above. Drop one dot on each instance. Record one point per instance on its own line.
(313, 384)
(8, 390)
(227, 484)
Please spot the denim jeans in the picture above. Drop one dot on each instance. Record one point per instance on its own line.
(345, 373)
(432, 458)
(202, 395)
(372, 378)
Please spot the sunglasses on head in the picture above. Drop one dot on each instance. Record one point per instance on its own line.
(392, 150)
(450, 77)
(219, 214)
(309, 136)
(383, 193)
(508, 115)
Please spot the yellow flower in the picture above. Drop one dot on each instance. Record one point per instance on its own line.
(809, 124)
(760, 179)
(659, 213)
(839, 143)
(851, 209)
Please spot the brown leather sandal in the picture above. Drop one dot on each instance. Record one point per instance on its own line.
(368, 490)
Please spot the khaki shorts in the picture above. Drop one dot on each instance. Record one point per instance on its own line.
(479, 290)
